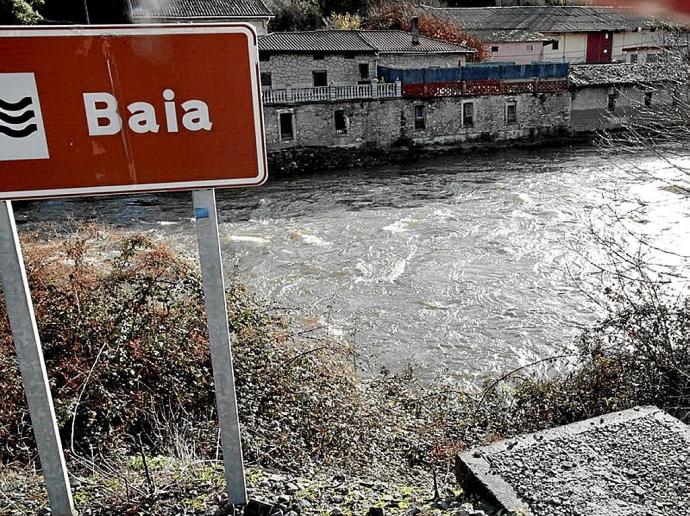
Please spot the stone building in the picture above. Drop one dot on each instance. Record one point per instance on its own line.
(432, 106)
(615, 95)
(253, 12)
(574, 34)
(340, 58)
(430, 121)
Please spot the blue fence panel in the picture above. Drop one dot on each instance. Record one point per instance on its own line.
(476, 72)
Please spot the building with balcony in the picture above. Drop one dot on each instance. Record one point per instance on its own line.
(336, 64)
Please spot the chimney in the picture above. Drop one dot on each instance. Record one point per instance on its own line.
(415, 30)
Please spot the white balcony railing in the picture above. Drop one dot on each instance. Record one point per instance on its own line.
(329, 93)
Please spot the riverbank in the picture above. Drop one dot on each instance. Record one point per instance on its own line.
(309, 160)
(124, 393)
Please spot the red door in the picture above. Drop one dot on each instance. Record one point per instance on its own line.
(599, 47)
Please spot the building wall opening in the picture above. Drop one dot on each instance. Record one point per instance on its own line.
(340, 122)
(287, 127)
(468, 114)
(420, 117)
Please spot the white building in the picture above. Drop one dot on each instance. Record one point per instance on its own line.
(254, 12)
(571, 34)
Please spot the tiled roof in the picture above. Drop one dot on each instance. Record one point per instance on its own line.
(610, 74)
(544, 18)
(398, 41)
(364, 41)
(161, 9)
(510, 36)
(315, 41)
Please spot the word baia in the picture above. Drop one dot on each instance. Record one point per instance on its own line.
(104, 119)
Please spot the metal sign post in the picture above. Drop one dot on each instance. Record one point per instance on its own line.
(219, 339)
(146, 109)
(27, 342)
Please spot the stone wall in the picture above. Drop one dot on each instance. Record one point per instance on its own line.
(385, 122)
(295, 70)
(412, 61)
(590, 106)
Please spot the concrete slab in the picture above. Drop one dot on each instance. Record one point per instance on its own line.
(635, 462)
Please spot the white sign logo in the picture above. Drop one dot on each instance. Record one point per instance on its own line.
(22, 134)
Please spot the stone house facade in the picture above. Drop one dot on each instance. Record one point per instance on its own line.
(424, 121)
(338, 58)
(253, 12)
(612, 96)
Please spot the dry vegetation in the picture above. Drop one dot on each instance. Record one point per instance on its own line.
(121, 318)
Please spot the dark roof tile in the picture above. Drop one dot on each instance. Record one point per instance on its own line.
(381, 41)
(545, 18)
(622, 73)
(398, 41)
(190, 9)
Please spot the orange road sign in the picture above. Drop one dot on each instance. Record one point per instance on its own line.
(123, 109)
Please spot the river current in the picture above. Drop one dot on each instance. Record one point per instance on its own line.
(469, 264)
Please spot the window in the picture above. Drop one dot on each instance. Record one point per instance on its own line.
(287, 130)
(554, 45)
(264, 56)
(530, 48)
(420, 117)
(612, 102)
(648, 98)
(511, 112)
(319, 56)
(633, 58)
(494, 48)
(468, 114)
(266, 80)
(364, 71)
(340, 122)
(320, 78)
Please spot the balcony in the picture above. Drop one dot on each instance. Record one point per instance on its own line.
(332, 93)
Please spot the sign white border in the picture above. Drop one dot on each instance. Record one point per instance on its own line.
(156, 29)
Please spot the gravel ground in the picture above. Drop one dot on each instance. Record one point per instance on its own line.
(634, 463)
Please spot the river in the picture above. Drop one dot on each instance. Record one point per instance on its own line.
(468, 265)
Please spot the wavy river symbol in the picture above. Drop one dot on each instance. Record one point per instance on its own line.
(16, 117)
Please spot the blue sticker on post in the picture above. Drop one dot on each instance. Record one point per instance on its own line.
(201, 213)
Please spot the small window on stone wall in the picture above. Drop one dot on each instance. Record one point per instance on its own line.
(266, 80)
(340, 122)
(420, 117)
(287, 127)
(364, 71)
(511, 112)
(648, 98)
(612, 102)
(494, 48)
(468, 114)
(554, 45)
(320, 78)
(530, 48)
(633, 58)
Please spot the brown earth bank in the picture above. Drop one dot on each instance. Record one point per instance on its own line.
(122, 322)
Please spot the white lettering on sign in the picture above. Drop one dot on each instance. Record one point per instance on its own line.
(103, 115)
